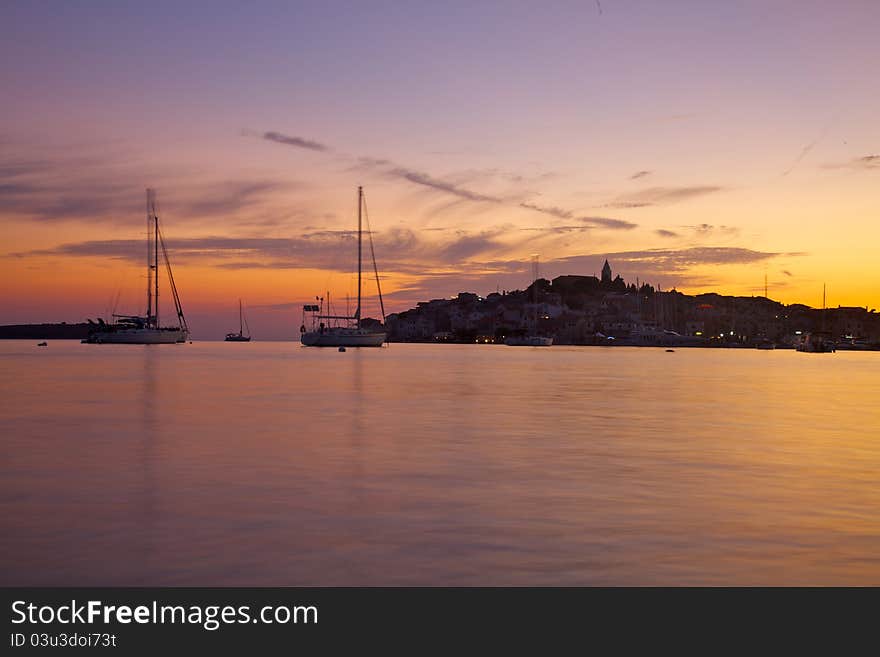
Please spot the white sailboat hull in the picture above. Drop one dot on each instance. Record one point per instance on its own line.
(139, 336)
(145, 329)
(343, 337)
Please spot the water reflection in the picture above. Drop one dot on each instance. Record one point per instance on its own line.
(145, 504)
(424, 464)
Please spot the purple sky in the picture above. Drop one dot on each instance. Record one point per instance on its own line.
(482, 131)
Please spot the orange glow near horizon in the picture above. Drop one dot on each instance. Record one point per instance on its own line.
(688, 161)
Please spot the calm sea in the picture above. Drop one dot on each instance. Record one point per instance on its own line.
(271, 464)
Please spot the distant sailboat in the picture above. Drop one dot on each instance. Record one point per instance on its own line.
(531, 338)
(137, 329)
(353, 333)
(240, 336)
(817, 342)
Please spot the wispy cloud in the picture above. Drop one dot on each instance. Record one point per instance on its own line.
(553, 211)
(299, 142)
(465, 193)
(662, 196)
(607, 222)
(804, 152)
(707, 230)
(425, 180)
(467, 246)
(668, 266)
(662, 232)
(121, 201)
(806, 149)
(588, 222)
(698, 255)
(456, 189)
(863, 163)
(52, 202)
(627, 205)
(228, 197)
(399, 250)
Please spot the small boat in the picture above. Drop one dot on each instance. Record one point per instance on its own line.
(42, 344)
(817, 342)
(240, 336)
(146, 329)
(531, 337)
(353, 333)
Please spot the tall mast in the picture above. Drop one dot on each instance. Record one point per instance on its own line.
(239, 318)
(149, 255)
(373, 257)
(360, 240)
(156, 258)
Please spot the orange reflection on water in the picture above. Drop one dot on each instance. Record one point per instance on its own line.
(267, 463)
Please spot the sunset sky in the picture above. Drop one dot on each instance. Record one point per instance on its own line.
(698, 145)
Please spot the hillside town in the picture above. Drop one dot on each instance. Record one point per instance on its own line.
(586, 310)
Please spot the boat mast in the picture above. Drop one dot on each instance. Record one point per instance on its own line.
(239, 318)
(181, 320)
(149, 255)
(360, 241)
(373, 257)
(156, 258)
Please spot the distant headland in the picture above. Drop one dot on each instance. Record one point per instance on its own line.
(62, 331)
(586, 310)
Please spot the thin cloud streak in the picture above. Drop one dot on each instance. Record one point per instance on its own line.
(589, 222)
(804, 152)
(400, 250)
(552, 211)
(662, 196)
(607, 222)
(706, 230)
(299, 142)
(864, 163)
(423, 179)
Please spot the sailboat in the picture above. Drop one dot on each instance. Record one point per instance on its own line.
(352, 333)
(531, 338)
(146, 329)
(817, 342)
(240, 336)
